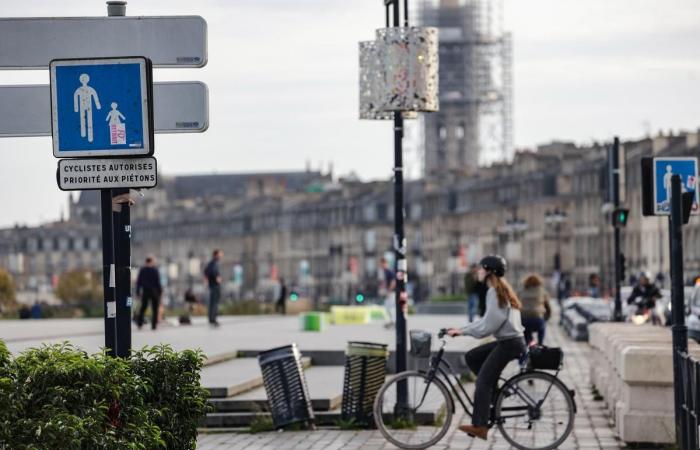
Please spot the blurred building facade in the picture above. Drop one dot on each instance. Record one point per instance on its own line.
(326, 236)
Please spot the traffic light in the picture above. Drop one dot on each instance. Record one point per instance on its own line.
(293, 296)
(623, 268)
(359, 297)
(620, 217)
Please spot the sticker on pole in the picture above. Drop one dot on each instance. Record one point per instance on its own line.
(88, 174)
(664, 169)
(101, 107)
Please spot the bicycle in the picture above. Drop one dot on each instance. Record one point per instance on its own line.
(522, 406)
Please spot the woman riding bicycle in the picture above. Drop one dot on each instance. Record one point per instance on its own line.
(502, 320)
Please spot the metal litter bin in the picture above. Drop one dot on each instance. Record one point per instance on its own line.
(420, 343)
(365, 372)
(285, 385)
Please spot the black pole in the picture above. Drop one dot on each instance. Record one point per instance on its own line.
(401, 407)
(614, 168)
(122, 261)
(680, 331)
(108, 273)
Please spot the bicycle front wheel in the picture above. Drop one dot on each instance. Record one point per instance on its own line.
(535, 411)
(425, 417)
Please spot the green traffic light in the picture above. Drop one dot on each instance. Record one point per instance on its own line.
(294, 296)
(359, 298)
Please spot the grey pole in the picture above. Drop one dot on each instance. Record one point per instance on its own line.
(615, 197)
(679, 330)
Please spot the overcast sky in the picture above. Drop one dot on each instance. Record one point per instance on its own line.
(282, 79)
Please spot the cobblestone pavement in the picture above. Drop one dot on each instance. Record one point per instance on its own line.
(591, 428)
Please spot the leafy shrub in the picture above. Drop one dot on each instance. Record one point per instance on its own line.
(64, 398)
(174, 392)
(60, 397)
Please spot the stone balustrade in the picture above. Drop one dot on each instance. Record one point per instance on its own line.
(632, 369)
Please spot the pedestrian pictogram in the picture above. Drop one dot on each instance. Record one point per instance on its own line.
(83, 99)
(664, 169)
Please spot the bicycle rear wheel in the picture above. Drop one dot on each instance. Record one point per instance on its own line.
(535, 411)
(429, 407)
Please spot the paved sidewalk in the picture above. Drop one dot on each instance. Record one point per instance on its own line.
(591, 429)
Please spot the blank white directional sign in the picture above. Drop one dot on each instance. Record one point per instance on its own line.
(179, 107)
(31, 43)
(89, 174)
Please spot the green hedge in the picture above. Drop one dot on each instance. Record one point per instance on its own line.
(58, 396)
(446, 298)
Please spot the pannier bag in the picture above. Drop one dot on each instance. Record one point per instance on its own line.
(546, 358)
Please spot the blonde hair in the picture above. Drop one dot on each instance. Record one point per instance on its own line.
(504, 291)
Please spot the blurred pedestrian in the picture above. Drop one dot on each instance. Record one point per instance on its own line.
(470, 281)
(149, 289)
(536, 308)
(212, 274)
(36, 310)
(563, 288)
(281, 305)
(594, 285)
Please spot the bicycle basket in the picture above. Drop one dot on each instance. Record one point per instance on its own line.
(546, 358)
(420, 343)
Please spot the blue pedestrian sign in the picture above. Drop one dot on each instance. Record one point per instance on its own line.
(101, 107)
(664, 169)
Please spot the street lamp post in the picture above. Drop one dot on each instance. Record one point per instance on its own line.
(514, 228)
(401, 408)
(556, 219)
(398, 78)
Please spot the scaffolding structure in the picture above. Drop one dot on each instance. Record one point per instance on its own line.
(475, 124)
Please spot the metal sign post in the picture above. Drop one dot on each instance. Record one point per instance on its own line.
(614, 164)
(679, 329)
(109, 281)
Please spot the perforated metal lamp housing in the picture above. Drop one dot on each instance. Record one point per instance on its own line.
(371, 84)
(408, 59)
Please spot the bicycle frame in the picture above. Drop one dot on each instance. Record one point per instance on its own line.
(439, 366)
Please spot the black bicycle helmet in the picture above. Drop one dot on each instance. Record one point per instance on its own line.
(495, 264)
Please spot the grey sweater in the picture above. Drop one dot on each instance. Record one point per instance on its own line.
(497, 321)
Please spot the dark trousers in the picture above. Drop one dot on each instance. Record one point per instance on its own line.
(214, 297)
(487, 362)
(534, 325)
(154, 300)
(281, 306)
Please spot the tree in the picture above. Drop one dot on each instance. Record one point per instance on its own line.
(7, 289)
(80, 287)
